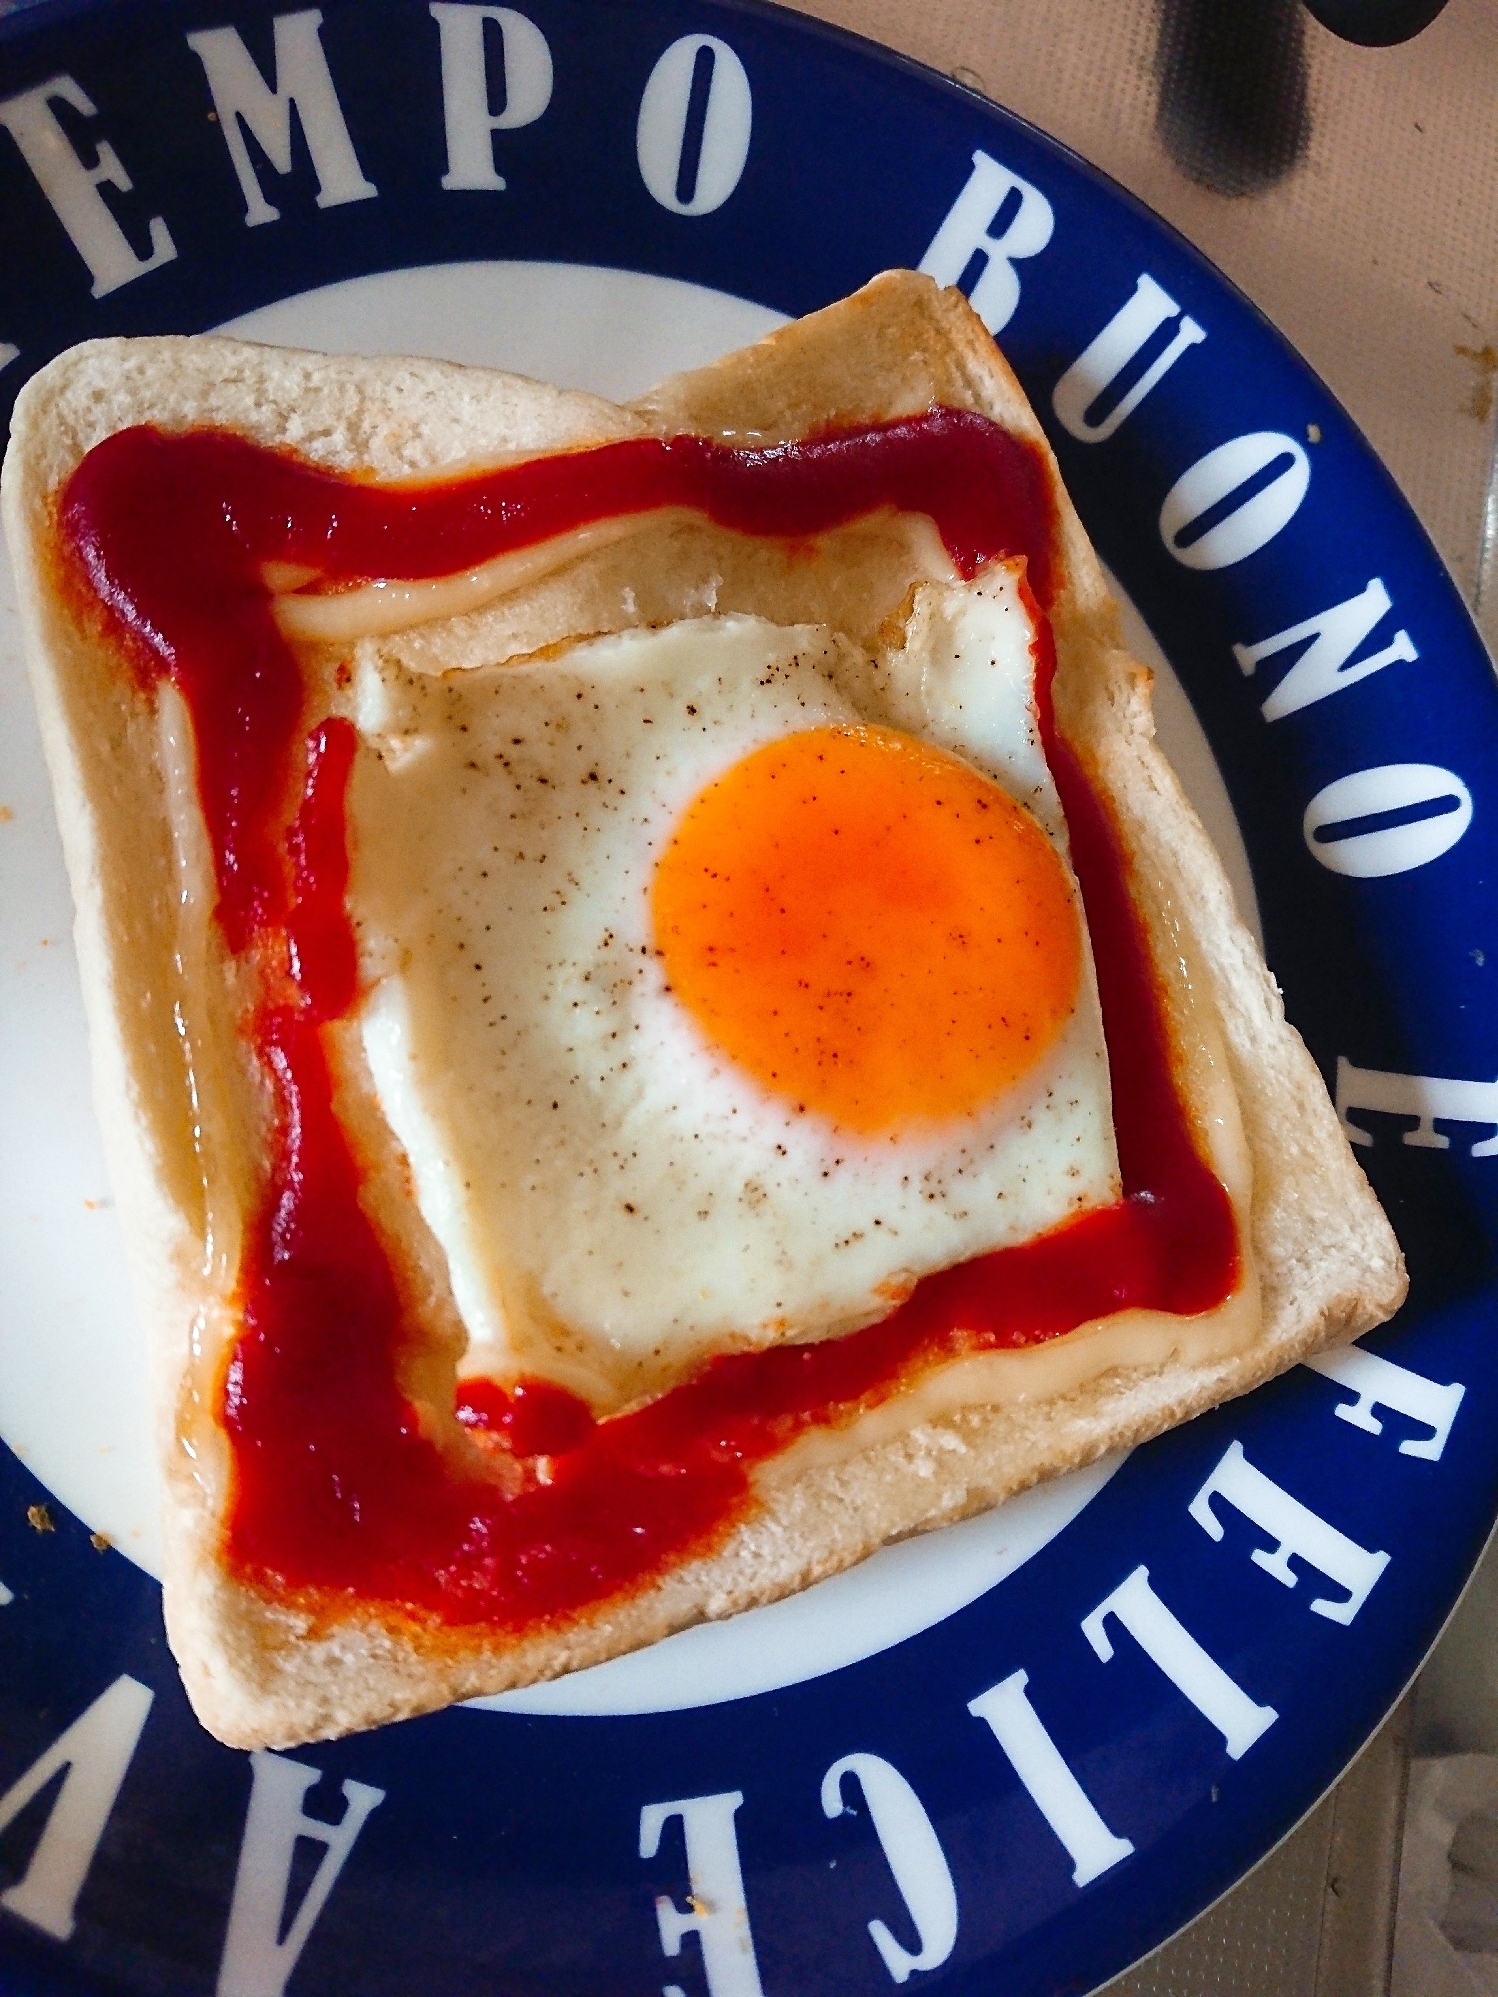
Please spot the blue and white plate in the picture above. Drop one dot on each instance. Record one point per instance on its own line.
(1012, 1756)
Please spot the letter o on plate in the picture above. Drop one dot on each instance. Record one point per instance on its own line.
(1234, 501)
(694, 68)
(1388, 820)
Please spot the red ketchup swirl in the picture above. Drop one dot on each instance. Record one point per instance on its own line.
(341, 1488)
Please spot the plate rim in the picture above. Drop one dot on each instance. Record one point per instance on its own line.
(49, 15)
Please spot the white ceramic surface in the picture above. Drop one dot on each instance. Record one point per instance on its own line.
(74, 1399)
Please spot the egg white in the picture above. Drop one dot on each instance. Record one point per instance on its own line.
(615, 1197)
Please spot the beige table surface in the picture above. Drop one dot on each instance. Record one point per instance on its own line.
(1353, 195)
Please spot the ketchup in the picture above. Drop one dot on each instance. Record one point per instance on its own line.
(527, 1511)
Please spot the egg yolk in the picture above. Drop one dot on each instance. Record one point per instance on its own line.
(869, 927)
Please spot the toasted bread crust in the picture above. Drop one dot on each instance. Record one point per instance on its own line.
(262, 1673)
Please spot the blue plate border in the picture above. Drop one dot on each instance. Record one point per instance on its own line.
(503, 1853)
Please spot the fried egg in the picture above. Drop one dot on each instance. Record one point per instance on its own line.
(722, 980)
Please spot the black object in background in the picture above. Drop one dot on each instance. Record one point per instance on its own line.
(1234, 111)
(1375, 24)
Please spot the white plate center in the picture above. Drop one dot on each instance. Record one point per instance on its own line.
(74, 1394)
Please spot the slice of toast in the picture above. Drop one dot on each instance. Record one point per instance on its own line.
(1322, 1263)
